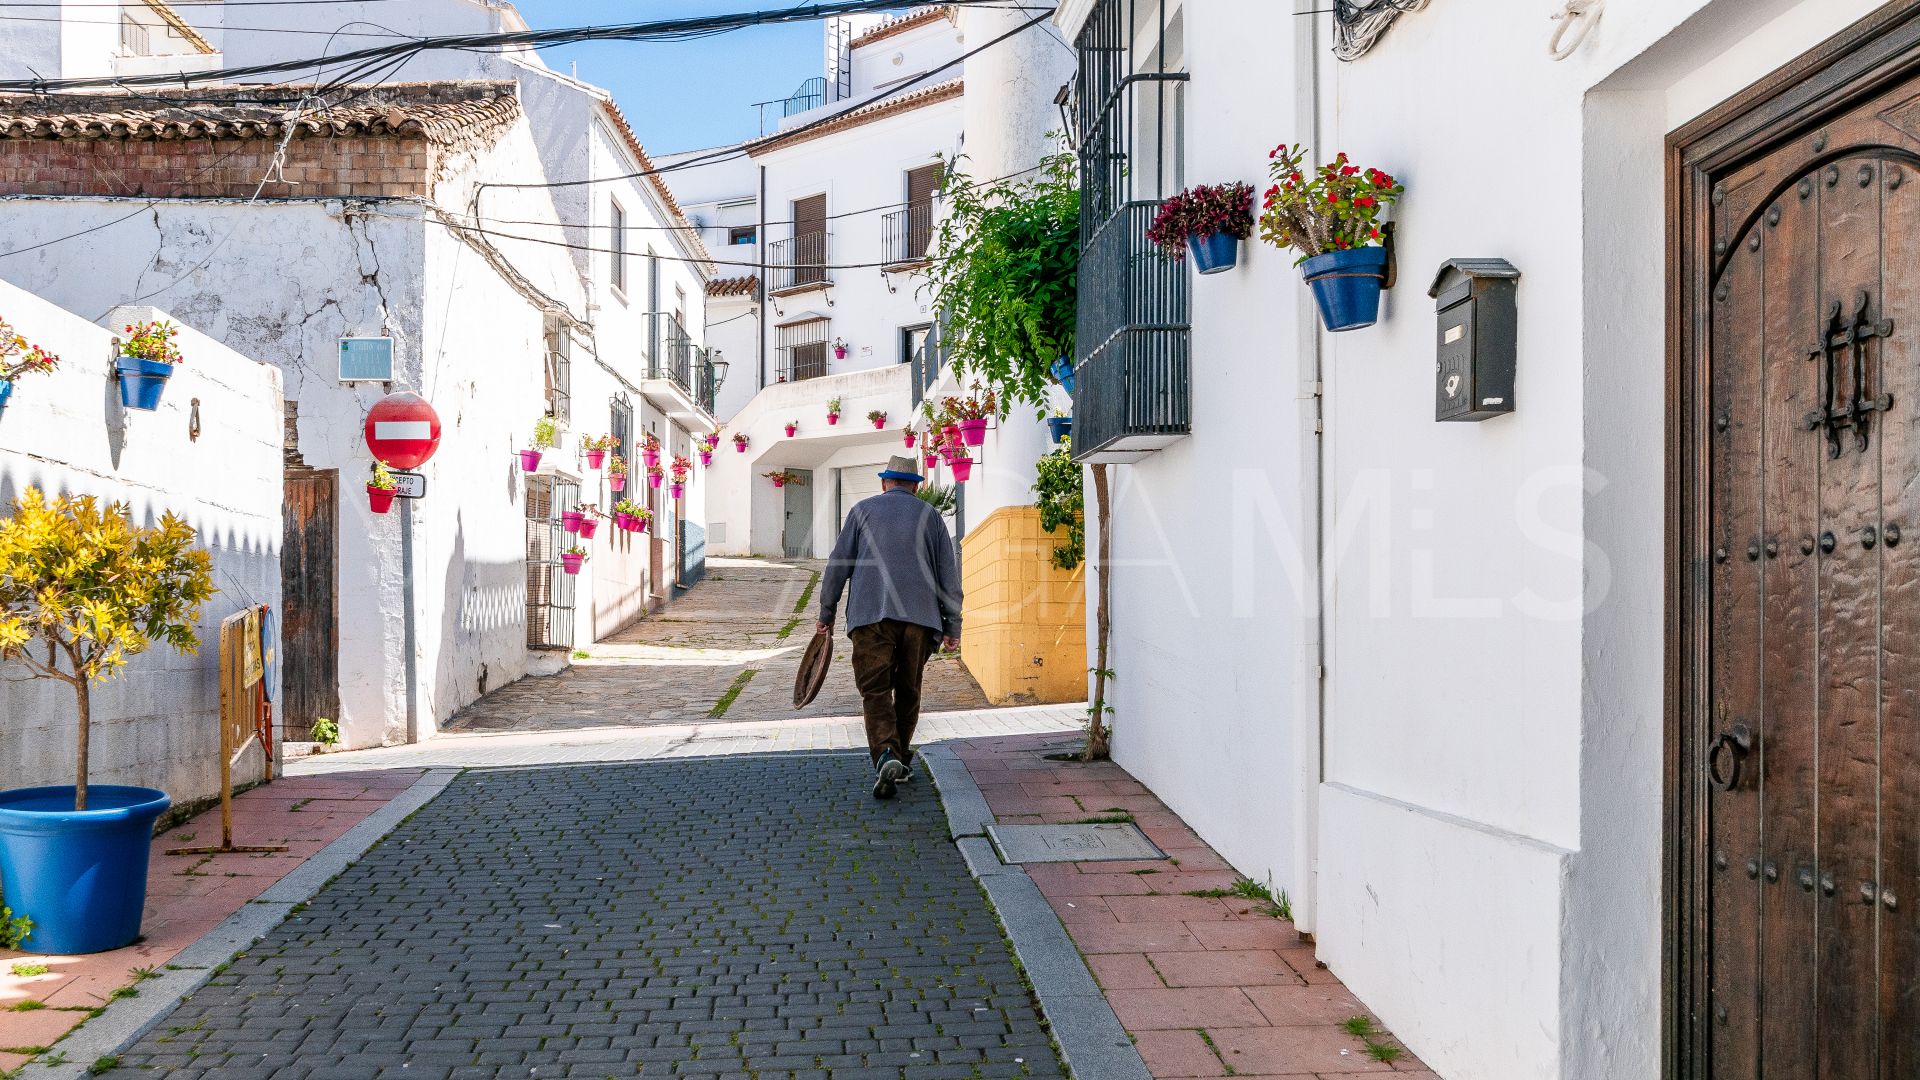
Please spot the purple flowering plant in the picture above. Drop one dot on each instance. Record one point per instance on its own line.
(1202, 211)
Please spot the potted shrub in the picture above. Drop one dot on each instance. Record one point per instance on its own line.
(570, 521)
(907, 438)
(962, 463)
(782, 478)
(1060, 425)
(1333, 219)
(73, 859)
(932, 458)
(596, 448)
(740, 442)
(839, 351)
(545, 433)
(879, 418)
(616, 473)
(792, 426)
(969, 414)
(380, 489)
(833, 411)
(1209, 220)
(650, 449)
(706, 455)
(641, 516)
(572, 558)
(18, 358)
(681, 467)
(589, 521)
(626, 516)
(656, 476)
(147, 359)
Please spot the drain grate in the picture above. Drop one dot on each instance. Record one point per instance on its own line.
(1072, 843)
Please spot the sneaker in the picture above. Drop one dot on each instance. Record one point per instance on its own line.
(887, 776)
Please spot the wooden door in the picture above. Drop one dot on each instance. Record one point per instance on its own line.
(309, 614)
(809, 240)
(1801, 768)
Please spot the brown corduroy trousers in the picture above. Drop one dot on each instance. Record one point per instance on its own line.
(889, 658)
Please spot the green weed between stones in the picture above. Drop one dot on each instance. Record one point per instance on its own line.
(105, 1064)
(1378, 1048)
(806, 596)
(26, 969)
(1249, 889)
(740, 682)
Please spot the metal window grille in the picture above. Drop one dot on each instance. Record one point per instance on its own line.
(803, 349)
(621, 428)
(559, 370)
(550, 592)
(675, 361)
(1132, 393)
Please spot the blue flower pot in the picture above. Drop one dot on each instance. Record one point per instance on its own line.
(1214, 252)
(1347, 286)
(81, 876)
(1060, 427)
(1062, 370)
(6, 391)
(142, 382)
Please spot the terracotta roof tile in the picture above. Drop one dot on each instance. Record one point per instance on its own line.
(865, 114)
(441, 112)
(904, 23)
(745, 285)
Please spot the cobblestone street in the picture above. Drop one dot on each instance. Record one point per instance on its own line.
(744, 917)
(727, 650)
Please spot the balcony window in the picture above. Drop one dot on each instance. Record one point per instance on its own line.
(800, 262)
(803, 349)
(1132, 369)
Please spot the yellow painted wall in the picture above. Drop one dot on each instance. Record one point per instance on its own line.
(1024, 632)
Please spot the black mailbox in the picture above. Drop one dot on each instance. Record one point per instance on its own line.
(1477, 336)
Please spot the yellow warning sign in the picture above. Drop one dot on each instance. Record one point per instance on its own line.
(253, 669)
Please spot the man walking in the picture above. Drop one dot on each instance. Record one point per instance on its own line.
(896, 553)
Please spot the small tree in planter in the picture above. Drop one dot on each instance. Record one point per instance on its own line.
(833, 411)
(1210, 220)
(596, 448)
(381, 487)
(18, 358)
(147, 359)
(82, 589)
(1334, 220)
(879, 418)
(546, 433)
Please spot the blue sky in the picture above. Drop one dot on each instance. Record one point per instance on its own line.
(689, 94)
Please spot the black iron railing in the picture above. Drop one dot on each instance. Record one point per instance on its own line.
(811, 95)
(798, 262)
(1131, 388)
(706, 387)
(674, 360)
(907, 234)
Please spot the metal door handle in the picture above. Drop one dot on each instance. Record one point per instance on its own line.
(1731, 748)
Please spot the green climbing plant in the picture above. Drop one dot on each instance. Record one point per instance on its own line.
(1060, 495)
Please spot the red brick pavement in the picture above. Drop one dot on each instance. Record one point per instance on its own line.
(1207, 986)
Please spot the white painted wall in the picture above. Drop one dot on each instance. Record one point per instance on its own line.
(1482, 850)
(155, 725)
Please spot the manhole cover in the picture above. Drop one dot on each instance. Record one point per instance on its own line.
(1072, 843)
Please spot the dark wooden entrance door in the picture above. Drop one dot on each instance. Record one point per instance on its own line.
(309, 618)
(1803, 763)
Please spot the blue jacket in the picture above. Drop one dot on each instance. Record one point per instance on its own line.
(897, 554)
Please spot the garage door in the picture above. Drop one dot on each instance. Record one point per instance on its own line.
(859, 482)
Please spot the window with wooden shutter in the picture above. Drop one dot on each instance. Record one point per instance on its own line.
(809, 254)
(923, 184)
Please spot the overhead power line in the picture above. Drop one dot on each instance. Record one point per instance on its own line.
(658, 29)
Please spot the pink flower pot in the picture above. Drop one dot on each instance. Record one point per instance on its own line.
(952, 433)
(625, 522)
(571, 520)
(833, 418)
(839, 353)
(596, 459)
(381, 500)
(962, 468)
(779, 483)
(677, 490)
(617, 483)
(651, 457)
(589, 526)
(571, 563)
(880, 424)
(655, 479)
(974, 431)
(791, 428)
(706, 457)
(740, 447)
(529, 460)
(908, 440)
(640, 524)
(933, 459)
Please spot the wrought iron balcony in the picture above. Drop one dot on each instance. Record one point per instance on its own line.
(906, 235)
(798, 263)
(1131, 394)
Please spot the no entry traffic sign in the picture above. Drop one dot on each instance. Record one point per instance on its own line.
(403, 430)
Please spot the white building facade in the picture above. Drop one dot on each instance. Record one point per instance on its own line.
(1415, 674)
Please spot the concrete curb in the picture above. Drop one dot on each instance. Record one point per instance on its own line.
(1091, 1039)
(125, 1020)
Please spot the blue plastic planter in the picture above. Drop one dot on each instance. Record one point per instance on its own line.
(6, 391)
(1214, 252)
(142, 382)
(81, 876)
(1347, 286)
(1060, 427)
(1062, 370)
